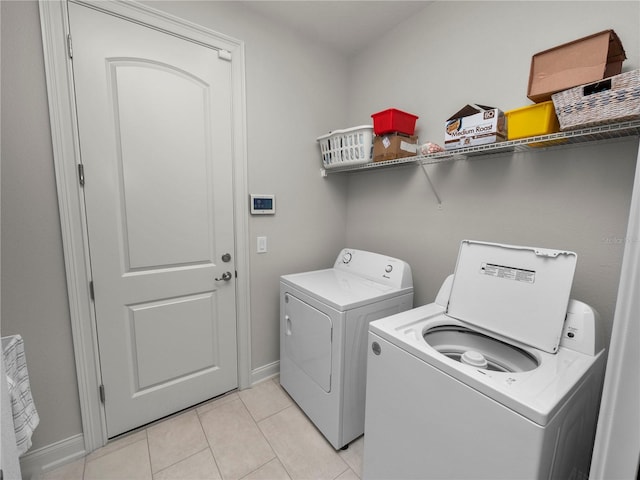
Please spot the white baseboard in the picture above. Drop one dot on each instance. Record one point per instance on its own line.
(52, 456)
(265, 372)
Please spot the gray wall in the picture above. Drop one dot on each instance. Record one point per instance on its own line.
(34, 296)
(574, 199)
(295, 90)
(454, 53)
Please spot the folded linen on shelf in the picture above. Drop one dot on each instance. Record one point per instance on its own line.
(25, 415)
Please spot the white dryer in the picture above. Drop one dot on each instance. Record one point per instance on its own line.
(499, 378)
(324, 320)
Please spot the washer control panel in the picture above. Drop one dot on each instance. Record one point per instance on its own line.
(582, 329)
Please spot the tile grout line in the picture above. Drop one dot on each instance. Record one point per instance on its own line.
(213, 455)
(257, 424)
(146, 436)
(84, 466)
(186, 458)
(271, 446)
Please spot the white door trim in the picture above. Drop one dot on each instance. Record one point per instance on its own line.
(617, 443)
(58, 70)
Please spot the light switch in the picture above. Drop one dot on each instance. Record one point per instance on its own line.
(262, 245)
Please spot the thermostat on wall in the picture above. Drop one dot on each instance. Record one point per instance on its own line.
(263, 204)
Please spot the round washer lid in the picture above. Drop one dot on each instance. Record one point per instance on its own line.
(521, 293)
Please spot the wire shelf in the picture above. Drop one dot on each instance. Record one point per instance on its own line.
(553, 140)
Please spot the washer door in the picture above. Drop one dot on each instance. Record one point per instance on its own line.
(307, 337)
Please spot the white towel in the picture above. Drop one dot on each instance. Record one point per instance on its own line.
(9, 461)
(25, 416)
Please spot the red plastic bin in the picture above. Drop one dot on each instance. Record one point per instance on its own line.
(394, 120)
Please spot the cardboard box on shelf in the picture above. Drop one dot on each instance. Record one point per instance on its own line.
(394, 145)
(581, 61)
(474, 125)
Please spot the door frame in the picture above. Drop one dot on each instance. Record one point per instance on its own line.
(66, 153)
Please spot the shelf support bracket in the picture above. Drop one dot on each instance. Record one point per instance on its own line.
(433, 189)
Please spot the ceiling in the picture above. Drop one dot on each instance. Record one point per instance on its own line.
(345, 25)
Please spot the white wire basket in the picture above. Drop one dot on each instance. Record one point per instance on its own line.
(351, 146)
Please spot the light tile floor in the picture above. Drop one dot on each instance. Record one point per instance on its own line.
(253, 434)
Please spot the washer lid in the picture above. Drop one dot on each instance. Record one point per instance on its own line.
(521, 293)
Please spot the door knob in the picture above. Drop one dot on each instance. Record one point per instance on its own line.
(226, 276)
(226, 257)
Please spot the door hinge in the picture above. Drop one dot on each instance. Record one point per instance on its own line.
(236, 273)
(102, 397)
(224, 55)
(69, 46)
(92, 293)
(81, 174)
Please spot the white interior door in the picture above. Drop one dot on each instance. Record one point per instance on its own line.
(154, 120)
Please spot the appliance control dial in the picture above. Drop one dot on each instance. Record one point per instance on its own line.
(388, 268)
(346, 258)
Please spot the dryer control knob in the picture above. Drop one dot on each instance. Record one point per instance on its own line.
(346, 258)
(388, 268)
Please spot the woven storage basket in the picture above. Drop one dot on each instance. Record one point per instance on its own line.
(351, 146)
(612, 100)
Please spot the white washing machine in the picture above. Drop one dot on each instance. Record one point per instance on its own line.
(324, 321)
(499, 378)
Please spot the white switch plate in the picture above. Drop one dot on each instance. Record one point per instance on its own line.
(261, 246)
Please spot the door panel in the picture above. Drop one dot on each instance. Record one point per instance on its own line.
(154, 121)
(154, 201)
(155, 332)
